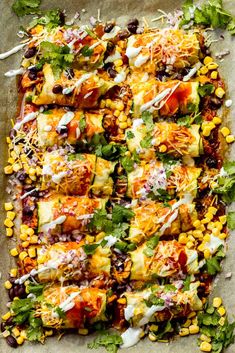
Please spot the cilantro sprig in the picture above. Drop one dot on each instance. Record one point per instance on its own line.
(210, 13)
(110, 342)
(226, 182)
(26, 7)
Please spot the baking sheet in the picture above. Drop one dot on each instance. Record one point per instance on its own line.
(8, 97)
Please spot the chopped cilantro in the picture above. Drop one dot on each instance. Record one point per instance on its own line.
(86, 51)
(187, 282)
(60, 312)
(128, 164)
(26, 7)
(148, 120)
(231, 220)
(121, 214)
(151, 245)
(36, 289)
(109, 341)
(22, 309)
(153, 300)
(58, 56)
(146, 142)
(34, 332)
(184, 121)
(90, 248)
(82, 124)
(227, 183)
(206, 89)
(212, 266)
(166, 159)
(129, 135)
(50, 19)
(210, 13)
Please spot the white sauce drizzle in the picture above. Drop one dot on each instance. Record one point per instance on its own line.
(132, 52)
(192, 71)
(66, 118)
(51, 225)
(155, 100)
(12, 51)
(56, 178)
(26, 119)
(131, 336)
(12, 73)
(142, 59)
(120, 77)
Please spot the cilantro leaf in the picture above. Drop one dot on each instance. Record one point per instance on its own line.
(26, 7)
(36, 289)
(35, 331)
(184, 121)
(212, 265)
(121, 214)
(50, 19)
(86, 51)
(227, 183)
(231, 220)
(153, 300)
(187, 282)
(206, 89)
(22, 308)
(129, 135)
(61, 313)
(109, 341)
(90, 248)
(82, 124)
(148, 120)
(58, 56)
(128, 164)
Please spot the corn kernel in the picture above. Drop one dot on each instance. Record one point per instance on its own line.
(34, 239)
(32, 252)
(219, 92)
(205, 338)
(8, 206)
(217, 301)
(212, 66)
(205, 220)
(223, 219)
(203, 70)
(118, 62)
(9, 232)
(16, 331)
(13, 272)
(8, 140)
(152, 337)
(11, 160)
(123, 125)
(16, 167)
(38, 170)
(197, 223)
(83, 331)
(212, 210)
(207, 253)
(11, 215)
(187, 323)
(222, 236)
(184, 331)
(6, 316)
(30, 231)
(191, 238)
(183, 238)
(48, 333)
(205, 347)
(190, 245)
(102, 104)
(216, 232)
(14, 252)
(23, 236)
(221, 321)
(8, 223)
(121, 300)
(108, 103)
(32, 171)
(206, 238)
(201, 247)
(197, 233)
(8, 169)
(23, 228)
(90, 238)
(6, 333)
(20, 340)
(216, 120)
(221, 310)
(193, 329)
(153, 327)
(192, 314)
(116, 113)
(120, 106)
(25, 244)
(23, 334)
(122, 118)
(206, 131)
(218, 225)
(225, 131)
(207, 60)
(7, 285)
(230, 138)
(209, 215)
(23, 255)
(162, 148)
(214, 75)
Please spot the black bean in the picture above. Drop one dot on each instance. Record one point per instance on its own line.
(112, 73)
(9, 321)
(11, 293)
(110, 47)
(132, 25)
(108, 27)
(11, 341)
(30, 53)
(62, 18)
(62, 130)
(211, 162)
(57, 89)
(21, 291)
(124, 34)
(215, 102)
(3, 326)
(32, 75)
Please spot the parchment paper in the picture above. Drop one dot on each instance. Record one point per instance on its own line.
(122, 10)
